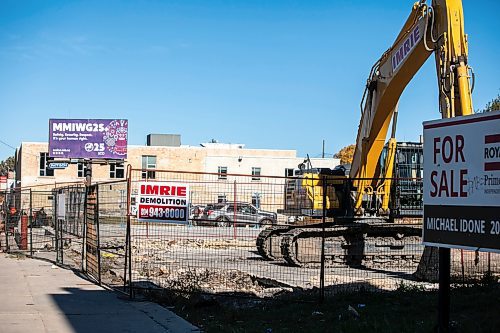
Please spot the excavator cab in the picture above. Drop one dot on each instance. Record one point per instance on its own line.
(311, 189)
(405, 182)
(407, 188)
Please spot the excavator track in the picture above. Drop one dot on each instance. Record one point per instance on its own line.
(357, 245)
(301, 247)
(269, 239)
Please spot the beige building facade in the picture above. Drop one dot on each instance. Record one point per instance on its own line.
(32, 169)
(215, 172)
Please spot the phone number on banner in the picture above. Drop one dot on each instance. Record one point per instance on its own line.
(162, 213)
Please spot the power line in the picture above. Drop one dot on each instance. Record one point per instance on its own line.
(5, 143)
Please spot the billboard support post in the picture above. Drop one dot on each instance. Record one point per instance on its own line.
(444, 290)
(88, 173)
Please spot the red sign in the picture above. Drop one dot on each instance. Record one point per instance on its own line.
(163, 202)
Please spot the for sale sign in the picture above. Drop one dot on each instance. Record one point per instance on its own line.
(88, 138)
(163, 202)
(462, 182)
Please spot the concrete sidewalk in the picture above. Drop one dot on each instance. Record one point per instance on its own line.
(36, 296)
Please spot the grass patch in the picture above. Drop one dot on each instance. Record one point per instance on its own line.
(473, 309)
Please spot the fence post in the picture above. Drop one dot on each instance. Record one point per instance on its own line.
(130, 282)
(234, 211)
(24, 232)
(56, 227)
(77, 226)
(98, 247)
(84, 230)
(31, 223)
(128, 246)
(127, 242)
(489, 265)
(7, 223)
(322, 268)
(462, 263)
(61, 200)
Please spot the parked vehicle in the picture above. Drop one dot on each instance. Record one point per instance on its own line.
(195, 212)
(224, 215)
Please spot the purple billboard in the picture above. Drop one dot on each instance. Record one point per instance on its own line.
(88, 138)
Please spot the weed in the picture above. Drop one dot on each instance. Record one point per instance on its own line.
(404, 287)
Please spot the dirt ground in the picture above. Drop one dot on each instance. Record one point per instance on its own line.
(219, 264)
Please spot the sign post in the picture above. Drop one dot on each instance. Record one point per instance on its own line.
(461, 191)
(87, 140)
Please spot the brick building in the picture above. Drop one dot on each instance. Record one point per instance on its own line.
(163, 152)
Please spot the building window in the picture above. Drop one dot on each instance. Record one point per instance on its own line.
(148, 162)
(222, 172)
(256, 199)
(82, 169)
(44, 170)
(289, 172)
(221, 198)
(255, 173)
(116, 170)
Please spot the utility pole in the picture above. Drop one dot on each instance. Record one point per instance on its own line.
(88, 173)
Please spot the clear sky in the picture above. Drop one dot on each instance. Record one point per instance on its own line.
(269, 74)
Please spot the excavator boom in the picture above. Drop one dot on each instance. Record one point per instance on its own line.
(437, 28)
(355, 238)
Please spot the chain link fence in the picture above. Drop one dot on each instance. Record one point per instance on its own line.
(215, 252)
(245, 235)
(29, 223)
(112, 201)
(34, 226)
(224, 247)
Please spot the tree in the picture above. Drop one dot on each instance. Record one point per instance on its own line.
(346, 154)
(493, 105)
(7, 165)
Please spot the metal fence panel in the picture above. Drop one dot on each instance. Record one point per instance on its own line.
(29, 217)
(70, 225)
(112, 232)
(223, 248)
(92, 253)
(213, 257)
(213, 253)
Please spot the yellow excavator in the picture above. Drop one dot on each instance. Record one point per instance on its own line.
(430, 28)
